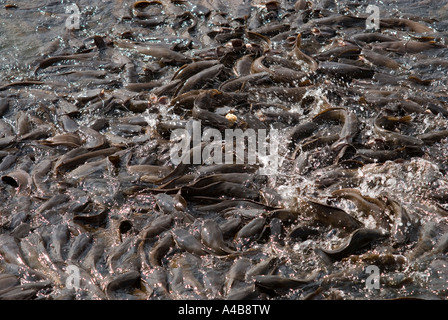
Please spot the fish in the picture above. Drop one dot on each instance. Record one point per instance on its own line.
(88, 182)
(80, 243)
(413, 26)
(366, 205)
(357, 240)
(345, 71)
(379, 59)
(186, 241)
(349, 129)
(212, 237)
(188, 70)
(299, 55)
(18, 179)
(10, 250)
(126, 280)
(252, 229)
(200, 79)
(278, 282)
(161, 247)
(403, 47)
(392, 136)
(4, 106)
(329, 215)
(236, 275)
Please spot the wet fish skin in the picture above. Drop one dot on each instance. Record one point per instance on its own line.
(330, 215)
(18, 179)
(77, 247)
(412, 47)
(54, 201)
(212, 237)
(236, 275)
(367, 206)
(60, 237)
(357, 240)
(394, 137)
(186, 241)
(7, 162)
(278, 282)
(380, 59)
(188, 70)
(345, 70)
(252, 229)
(125, 280)
(4, 106)
(198, 80)
(160, 248)
(10, 250)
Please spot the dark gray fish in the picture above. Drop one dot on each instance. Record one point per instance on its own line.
(366, 205)
(122, 282)
(236, 275)
(349, 129)
(94, 219)
(200, 79)
(223, 188)
(403, 47)
(79, 156)
(157, 226)
(246, 292)
(357, 240)
(230, 227)
(188, 70)
(95, 256)
(186, 241)
(243, 83)
(52, 60)
(6, 129)
(329, 215)
(278, 282)
(433, 137)
(382, 127)
(60, 236)
(252, 230)
(212, 237)
(345, 71)
(7, 141)
(53, 203)
(379, 59)
(156, 282)
(4, 106)
(124, 257)
(40, 176)
(78, 246)
(71, 140)
(18, 179)
(10, 250)
(160, 248)
(8, 281)
(405, 229)
(7, 162)
(264, 267)
(92, 138)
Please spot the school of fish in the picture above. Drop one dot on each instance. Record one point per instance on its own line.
(93, 208)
